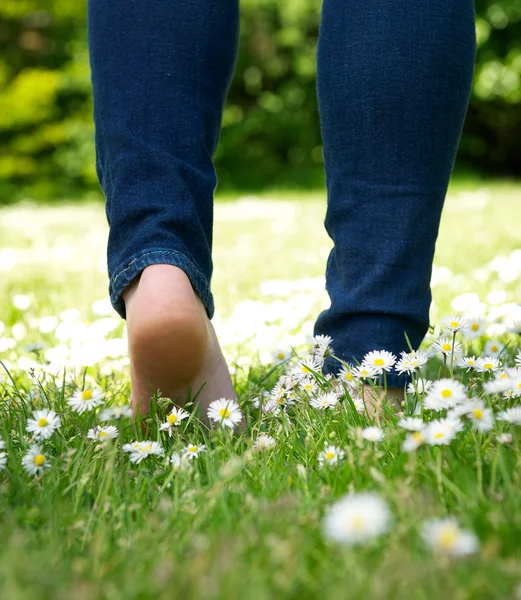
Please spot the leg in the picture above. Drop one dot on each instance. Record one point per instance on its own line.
(394, 82)
(160, 73)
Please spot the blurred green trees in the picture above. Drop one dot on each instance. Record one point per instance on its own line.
(270, 126)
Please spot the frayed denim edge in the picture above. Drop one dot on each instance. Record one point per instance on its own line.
(123, 276)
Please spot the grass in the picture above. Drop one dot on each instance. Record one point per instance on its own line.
(244, 523)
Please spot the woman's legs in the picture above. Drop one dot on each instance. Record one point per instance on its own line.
(160, 73)
(394, 80)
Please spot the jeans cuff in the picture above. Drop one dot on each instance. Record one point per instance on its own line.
(153, 256)
(391, 380)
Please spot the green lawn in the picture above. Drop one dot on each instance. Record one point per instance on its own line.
(241, 523)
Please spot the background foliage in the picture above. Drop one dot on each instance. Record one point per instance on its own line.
(270, 128)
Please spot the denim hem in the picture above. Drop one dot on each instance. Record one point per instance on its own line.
(131, 269)
(393, 380)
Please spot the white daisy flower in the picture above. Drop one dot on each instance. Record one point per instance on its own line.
(83, 401)
(493, 348)
(140, 450)
(3, 456)
(103, 434)
(487, 364)
(179, 462)
(444, 346)
(518, 359)
(174, 419)
(330, 456)
(306, 368)
(116, 412)
(193, 450)
(373, 434)
(413, 441)
(475, 327)
(497, 386)
(453, 324)
(482, 417)
(346, 376)
(280, 355)
(444, 393)
(322, 346)
(357, 518)
(423, 386)
(467, 362)
(43, 424)
(504, 438)
(441, 431)
(226, 412)
(515, 387)
(309, 386)
(411, 424)
(263, 442)
(323, 401)
(411, 361)
(379, 360)
(511, 415)
(446, 537)
(365, 372)
(35, 460)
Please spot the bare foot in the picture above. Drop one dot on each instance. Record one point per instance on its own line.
(377, 400)
(172, 343)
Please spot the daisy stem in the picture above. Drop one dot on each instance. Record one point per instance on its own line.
(479, 464)
(439, 459)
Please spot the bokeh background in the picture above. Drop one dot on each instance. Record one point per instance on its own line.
(270, 128)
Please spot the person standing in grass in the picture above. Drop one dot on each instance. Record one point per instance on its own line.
(393, 83)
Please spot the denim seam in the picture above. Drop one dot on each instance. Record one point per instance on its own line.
(195, 276)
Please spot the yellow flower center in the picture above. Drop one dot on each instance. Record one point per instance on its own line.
(470, 361)
(475, 327)
(446, 347)
(305, 369)
(102, 434)
(192, 449)
(39, 459)
(308, 386)
(379, 362)
(358, 522)
(478, 413)
(448, 538)
(172, 419)
(454, 323)
(494, 348)
(488, 366)
(417, 436)
(224, 413)
(349, 376)
(280, 355)
(147, 448)
(446, 393)
(330, 455)
(439, 435)
(503, 376)
(42, 422)
(86, 395)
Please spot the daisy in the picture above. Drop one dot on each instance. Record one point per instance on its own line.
(518, 359)
(330, 456)
(445, 536)
(193, 450)
(115, 412)
(441, 431)
(497, 386)
(179, 462)
(3, 456)
(454, 323)
(413, 441)
(173, 419)
(365, 372)
(515, 386)
(411, 361)
(467, 362)
(475, 327)
(43, 424)
(85, 400)
(444, 393)
(226, 412)
(357, 518)
(487, 364)
(327, 400)
(504, 438)
(444, 346)
(35, 460)
(140, 450)
(373, 434)
(411, 424)
(379, 360)
(346, 376)
(309, 386)
(482, 418)
(102, 434)
(493, 348)
(280, 356)
(263, 442)
(423, 386)
(322, 346)
(305, 368)
(511, 415)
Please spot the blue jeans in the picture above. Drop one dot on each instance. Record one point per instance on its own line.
(394, 79)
